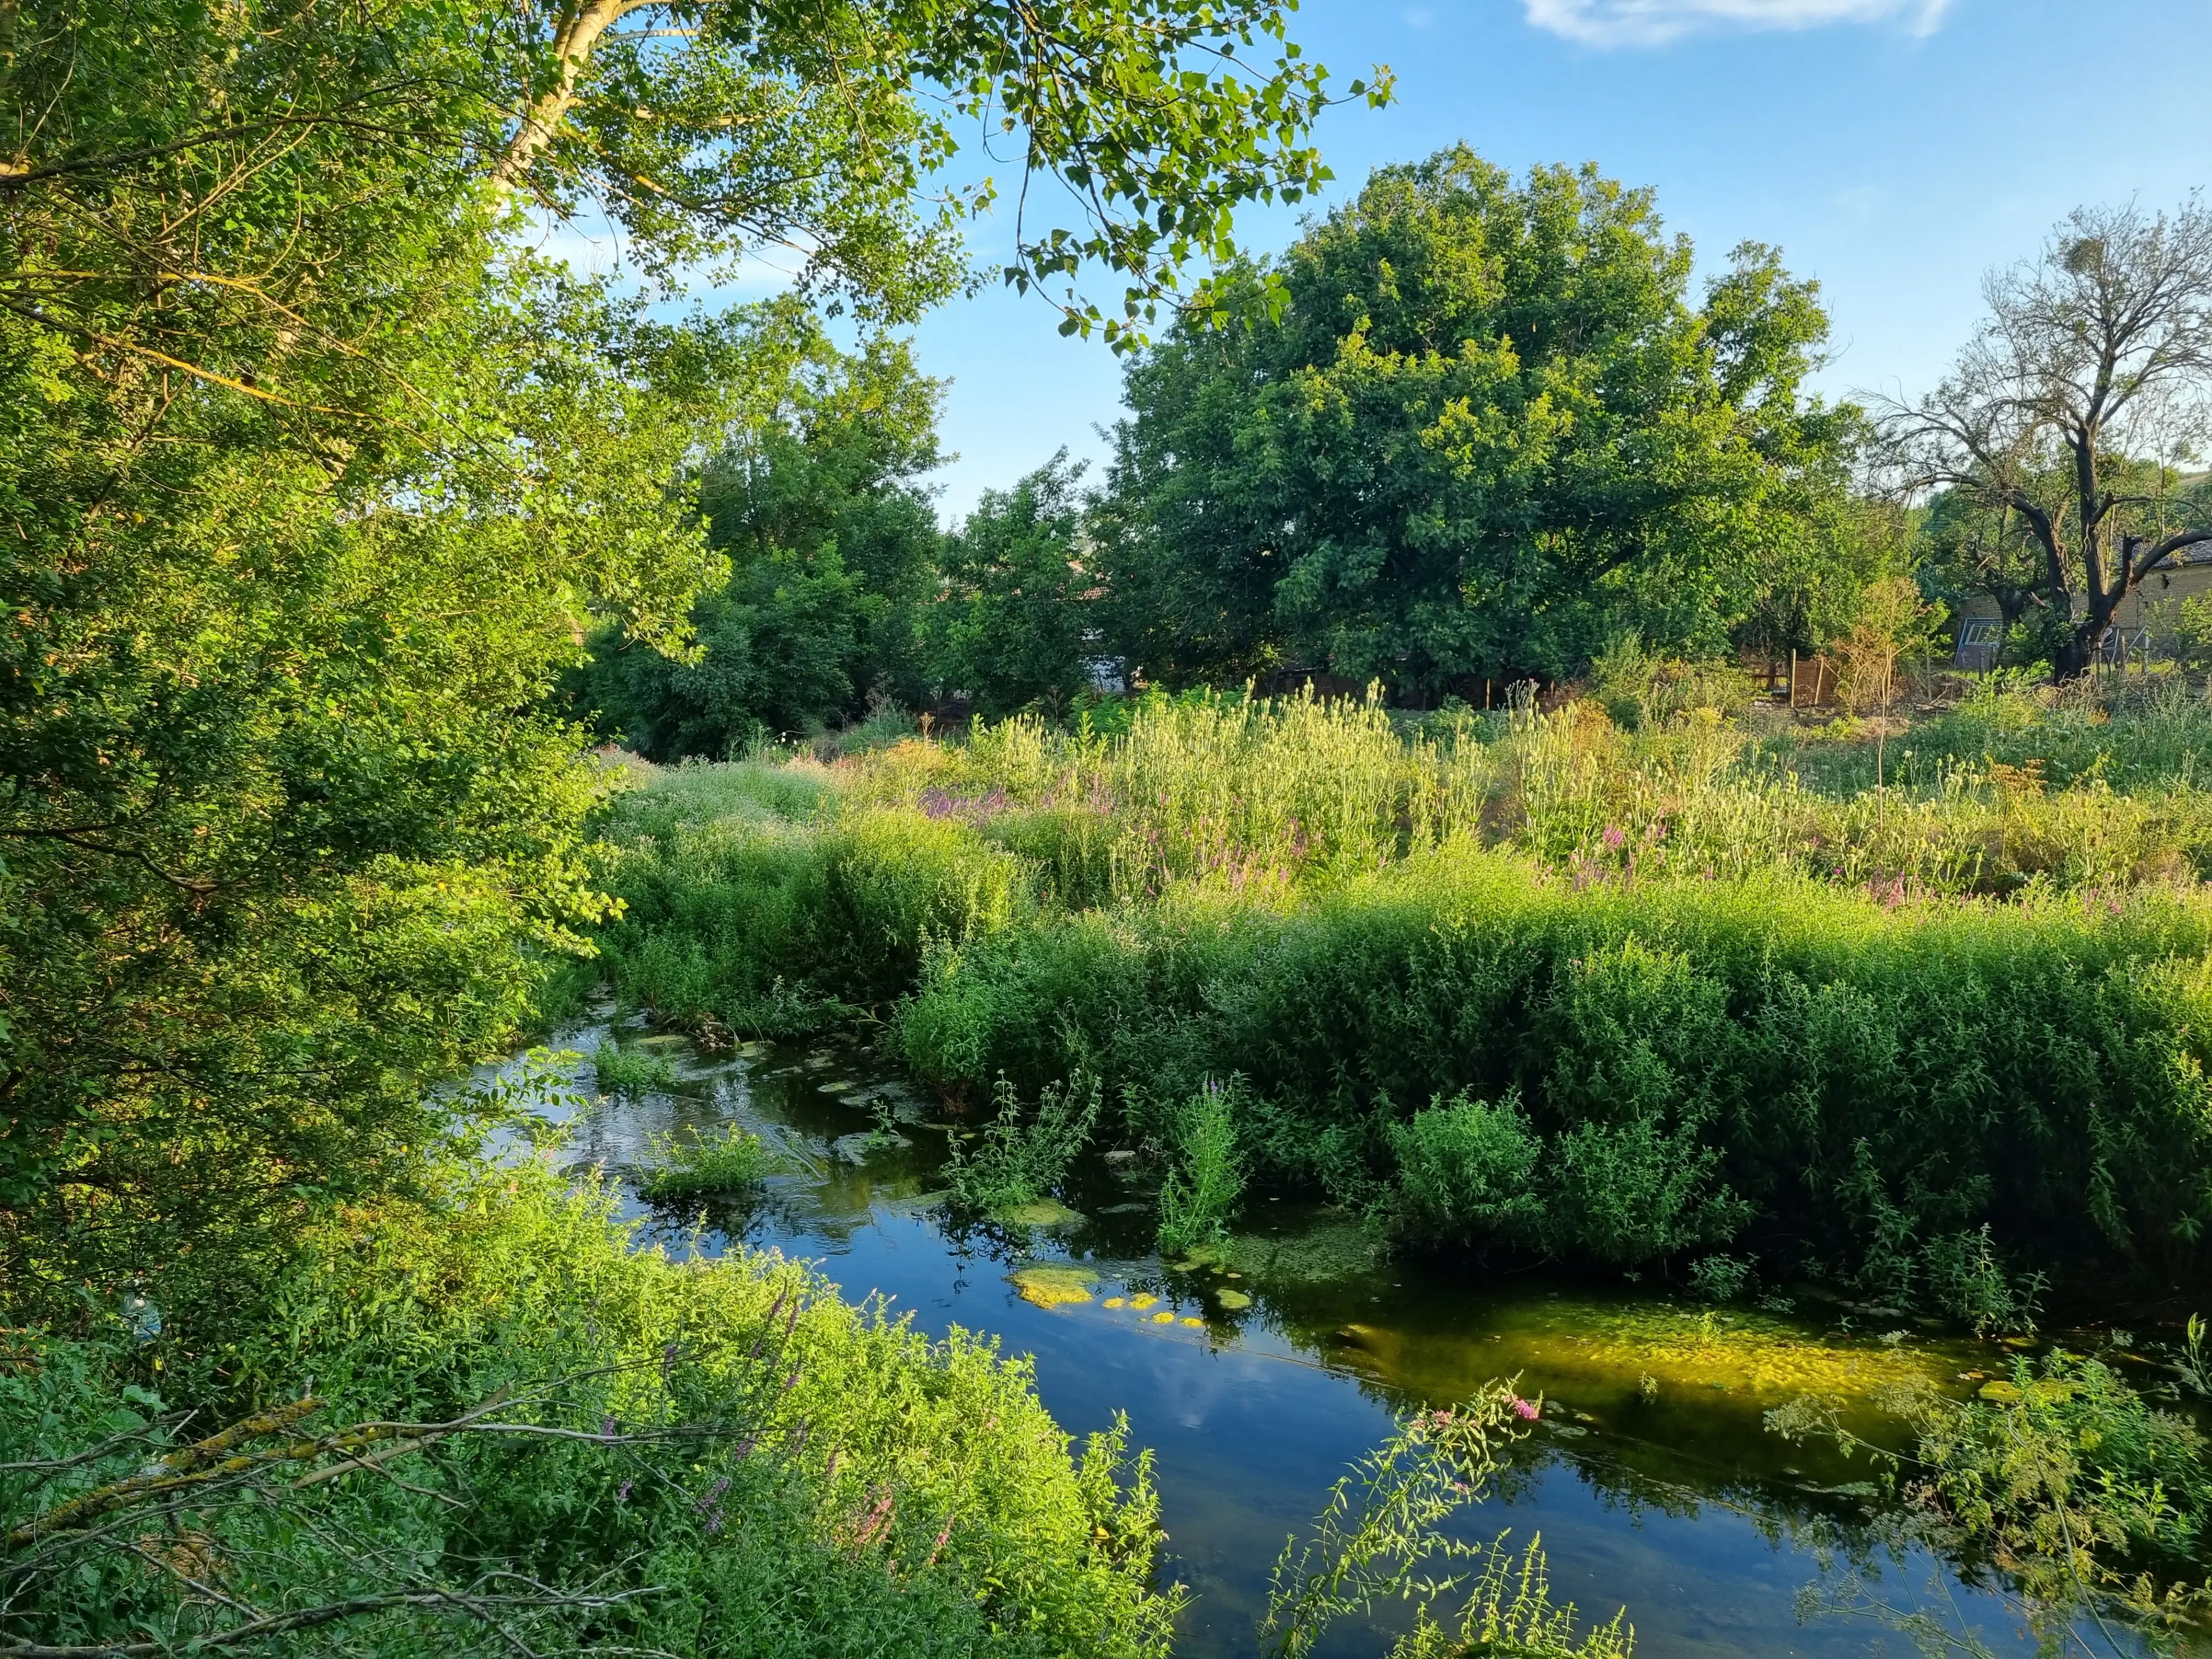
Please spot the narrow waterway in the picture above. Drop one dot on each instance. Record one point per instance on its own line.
(1651, 1478)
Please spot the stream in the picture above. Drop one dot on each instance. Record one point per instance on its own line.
(1650, 1477)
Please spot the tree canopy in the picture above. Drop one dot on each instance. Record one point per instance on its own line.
(833, 547)
(313, 478)
(1488, 432)
(2074, 416)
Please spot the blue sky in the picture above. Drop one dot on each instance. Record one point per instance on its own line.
(1895, 149)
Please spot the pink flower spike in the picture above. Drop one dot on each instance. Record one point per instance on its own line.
(1525, 1409)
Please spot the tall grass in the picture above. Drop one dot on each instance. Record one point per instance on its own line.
(1709, 1003)
(1265, 798)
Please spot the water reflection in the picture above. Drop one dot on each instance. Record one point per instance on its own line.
(1257, 1379)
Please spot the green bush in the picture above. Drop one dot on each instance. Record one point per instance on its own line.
(1467, 1171)
(622, 1071)
(1017, 1162)
(724, 1160)
(1847, 1081)
(727, 1457)
(2092, 1504)
(767, 928)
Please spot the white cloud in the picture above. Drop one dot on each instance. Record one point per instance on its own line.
(1653, 22)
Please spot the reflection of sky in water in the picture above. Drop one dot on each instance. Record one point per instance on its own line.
(1675, 1503)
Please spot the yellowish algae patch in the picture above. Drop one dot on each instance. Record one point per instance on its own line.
(1053, 1284)
(1163, 1319)
(1113, 1301)
(1141, 1303)
(1198, 1323)
(1597, 1352)
(1737, 1351)
(1235, 1301)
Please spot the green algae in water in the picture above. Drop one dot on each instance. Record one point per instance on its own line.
(1053, 1284)
(1235, 1301)
(1039, 1213)
(1328, 1251)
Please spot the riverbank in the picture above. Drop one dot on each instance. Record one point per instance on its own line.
(1937, 1098)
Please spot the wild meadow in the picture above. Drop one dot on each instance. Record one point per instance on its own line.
(1535, 983)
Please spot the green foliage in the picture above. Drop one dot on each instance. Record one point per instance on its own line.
(1015, 1162)
(2092, 1502)
(1719, 1278)
(1014, 626)
(833, 548)
(313, 478)
(1199, 1198)
(1865, 1080)
(630, 1070)
(1467, 1171)
(1509, 1614)
(722, 1160)
(1381, 1529)
(736, 916)
(1639, 689)
(1679, 1045)
(786, 1473)
(1489, 432)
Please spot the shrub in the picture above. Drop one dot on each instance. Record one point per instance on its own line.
(789, 1474)
(1199, 1196)
(1017, 1162)
(2092, 1504)
(722, 1160)
(1467, 1171)
(1861, 1079)
(767, 928)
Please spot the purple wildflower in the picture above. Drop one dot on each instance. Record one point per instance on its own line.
(1526, 1410)
(944, 1532)
(622, 1492)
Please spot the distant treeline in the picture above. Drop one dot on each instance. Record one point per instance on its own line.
(1491, 431)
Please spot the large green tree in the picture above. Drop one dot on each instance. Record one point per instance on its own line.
(833, 548)
(311, 480)
(1016, 625)
(1489, 431)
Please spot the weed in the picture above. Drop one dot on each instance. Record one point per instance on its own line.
(631, 1071)
(1719, 1278)
(1382, 1535)
(2090, 1503)
(724, 1160)
(1199, 1196)
(1015, 1162)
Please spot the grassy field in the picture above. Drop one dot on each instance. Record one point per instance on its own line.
(1691, 990)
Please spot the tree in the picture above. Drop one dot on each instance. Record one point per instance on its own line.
(1971, 544)
(313, 478)
(2077, 407)
(832, 550)
(1015, 626)
(1488, 433)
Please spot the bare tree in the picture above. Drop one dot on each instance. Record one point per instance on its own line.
(2094, 370)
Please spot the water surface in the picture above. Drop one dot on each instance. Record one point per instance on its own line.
(1651, 1478)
